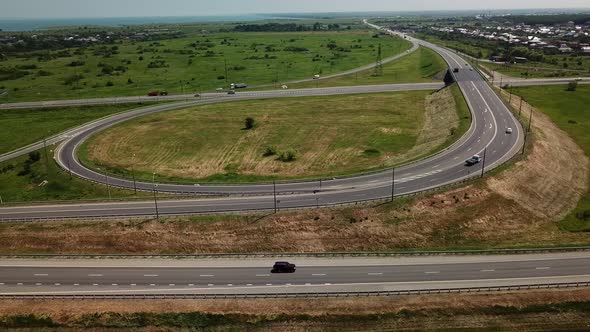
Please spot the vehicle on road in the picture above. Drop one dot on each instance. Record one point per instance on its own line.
(455, 70)
(284, 87)
(231, 92)
(283, 267)
(508, 130)
(197, 95)
(316, 77)
(473, 160)
(238, 86)
(219, 89)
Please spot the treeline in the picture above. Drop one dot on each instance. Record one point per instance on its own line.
(284, 27)
(546, 19)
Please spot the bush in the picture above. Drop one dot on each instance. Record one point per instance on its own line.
(34, 156)
(44, 73)
(77, 63)
(249, 123)
(110, 83)
(73, 79)
(288, 156)
(572, 86)
(270, 151)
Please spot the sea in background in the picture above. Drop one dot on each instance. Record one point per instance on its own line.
(41, 24)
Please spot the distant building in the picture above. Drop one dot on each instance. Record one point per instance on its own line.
(586, 50)
(565, 49)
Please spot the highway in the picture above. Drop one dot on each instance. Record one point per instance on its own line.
(487, 137)
(254, 276)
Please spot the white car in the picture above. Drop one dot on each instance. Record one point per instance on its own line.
(219, 89)
(508, 130)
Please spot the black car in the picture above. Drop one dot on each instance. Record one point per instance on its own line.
(283, 267)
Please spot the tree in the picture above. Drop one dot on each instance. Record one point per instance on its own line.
(249, 123)
(572, 86)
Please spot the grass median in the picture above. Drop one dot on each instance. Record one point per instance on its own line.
(328, 136)
(21, 127)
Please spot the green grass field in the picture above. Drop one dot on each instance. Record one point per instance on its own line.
(191, 64)
(529, 71)
(418, 67)
(17, 185)
(22, 127)
(570, 111)
(329, 135)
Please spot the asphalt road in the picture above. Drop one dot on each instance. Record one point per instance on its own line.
(195, 276)
(486, 137)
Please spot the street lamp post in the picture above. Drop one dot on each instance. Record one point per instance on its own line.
(274, 186)
(155, 196)
(392, 184)
(133, 174)
(106, 179)
(483, 163)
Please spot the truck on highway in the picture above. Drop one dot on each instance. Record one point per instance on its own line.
(157, 93)
(238, 86)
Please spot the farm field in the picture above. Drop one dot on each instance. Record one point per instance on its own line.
(209, 143)
(200, 62)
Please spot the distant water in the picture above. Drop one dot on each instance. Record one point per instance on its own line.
(40, 24)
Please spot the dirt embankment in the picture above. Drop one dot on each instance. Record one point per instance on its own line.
(565, 309)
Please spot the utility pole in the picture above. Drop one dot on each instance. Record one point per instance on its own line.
(274, 186)
(155, 196)
(392, 184)
(520, 107)
(510, 100)
(483, 164)
(379, 63)
(1, 201)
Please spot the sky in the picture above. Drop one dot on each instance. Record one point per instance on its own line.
(130, 8)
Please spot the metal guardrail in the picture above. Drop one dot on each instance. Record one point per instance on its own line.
(306, 254)
(434, 291)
